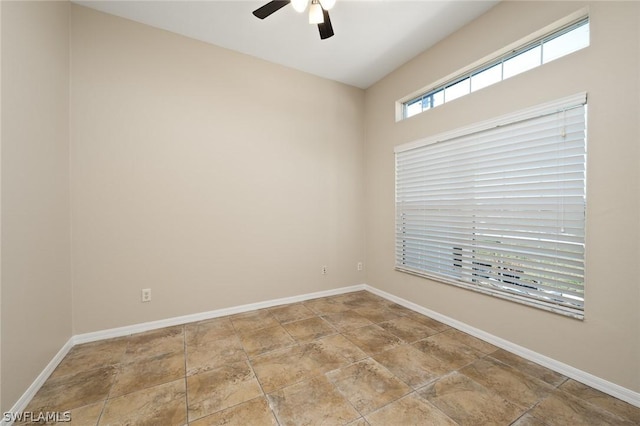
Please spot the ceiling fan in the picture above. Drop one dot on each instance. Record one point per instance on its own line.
(318, 12)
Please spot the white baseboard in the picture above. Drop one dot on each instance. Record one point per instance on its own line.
(153, 325)
(26, 397)
(605, 386)
(589, 379)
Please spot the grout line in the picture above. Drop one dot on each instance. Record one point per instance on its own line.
(264, 394)
(253, 371)
(186, 384)
(104, 405)
(118, 366)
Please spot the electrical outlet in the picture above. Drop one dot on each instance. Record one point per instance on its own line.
(359, 266)
(146, 295)
(323, 270)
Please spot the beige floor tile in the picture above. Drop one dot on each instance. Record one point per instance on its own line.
(309, 329)
(428, 322)
(251, 321)
(398, 309)
(368, 385)
(528, 420)
(285, 367)
(359, 422)
(347, 320)
(373, 339)
(81, 416)
(361, 299)
(469, 403)
(561, 408)
(311, 402)
(326, 306)
(89, 356)
(155, 342)
(203, 332)
(348, 298)
(409, 410)
(214, 354)
(507, 382)
(602, 400)
(469, 340)
(290, 313)
(73, 390)
(266, 340)
(342, 347)
(160, 405)
(411, 365)
(255, 412)
(376, 314)
(453, 352)
(86, 416)
(530, 368)
(408, 329)
(221, 388)
(148, 372)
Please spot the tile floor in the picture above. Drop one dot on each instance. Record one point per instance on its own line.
(353, 359)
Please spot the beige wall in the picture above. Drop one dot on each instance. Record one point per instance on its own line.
(211, 177)
(36, 285)
(607, 342)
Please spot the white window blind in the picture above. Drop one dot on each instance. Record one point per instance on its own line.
(500, 207)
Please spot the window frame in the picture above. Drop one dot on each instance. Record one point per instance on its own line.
(545, 35)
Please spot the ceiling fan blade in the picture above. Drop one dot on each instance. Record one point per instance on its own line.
(325, 28)
(269, 8)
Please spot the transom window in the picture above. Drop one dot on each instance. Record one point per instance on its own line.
(559, 43)
(499, 207)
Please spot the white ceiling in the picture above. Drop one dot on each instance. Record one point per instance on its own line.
(372, 38)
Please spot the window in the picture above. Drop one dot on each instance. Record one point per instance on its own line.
(559, 43)
(500, 207)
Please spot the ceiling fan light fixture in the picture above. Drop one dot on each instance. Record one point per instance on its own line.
(299, 5)
(328, 4)
(315, 13)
